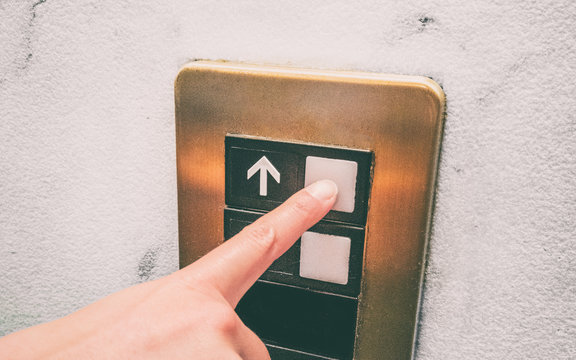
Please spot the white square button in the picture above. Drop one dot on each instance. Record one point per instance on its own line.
(342, 172)
(325, 257)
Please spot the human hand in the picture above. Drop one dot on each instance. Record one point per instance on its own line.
(188, 314)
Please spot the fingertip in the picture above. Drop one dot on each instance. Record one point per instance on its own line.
(323, 190)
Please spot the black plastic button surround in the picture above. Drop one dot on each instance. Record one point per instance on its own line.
(304, 306)
(267, 158)
(285, 270)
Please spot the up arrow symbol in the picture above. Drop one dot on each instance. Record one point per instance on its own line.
(264, 166)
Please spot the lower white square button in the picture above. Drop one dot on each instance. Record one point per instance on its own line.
(325, 257)
(342, 172)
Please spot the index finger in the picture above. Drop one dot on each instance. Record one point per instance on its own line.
(233, 267)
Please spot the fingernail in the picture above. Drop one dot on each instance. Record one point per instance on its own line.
(323, 189)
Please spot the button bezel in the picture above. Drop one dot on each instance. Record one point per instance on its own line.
(279, 272)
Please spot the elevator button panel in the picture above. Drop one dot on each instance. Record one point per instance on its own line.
(250, 136)
(261, 174)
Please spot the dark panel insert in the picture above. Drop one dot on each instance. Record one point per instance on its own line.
(304, 320)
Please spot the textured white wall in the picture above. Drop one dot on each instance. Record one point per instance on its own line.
(87, 155)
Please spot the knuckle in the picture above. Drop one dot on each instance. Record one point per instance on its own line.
(256, 346)
(261, 235)
(223, 320)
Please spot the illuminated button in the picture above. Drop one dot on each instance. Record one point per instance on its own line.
(342, 172)
(325, 257)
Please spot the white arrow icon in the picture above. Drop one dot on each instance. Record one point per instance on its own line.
(264, 166)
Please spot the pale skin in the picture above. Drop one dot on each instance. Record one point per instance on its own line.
(188, 314)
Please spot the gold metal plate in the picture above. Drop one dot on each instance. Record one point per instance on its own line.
(399, 118)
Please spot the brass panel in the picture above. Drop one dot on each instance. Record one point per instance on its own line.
(398, 117)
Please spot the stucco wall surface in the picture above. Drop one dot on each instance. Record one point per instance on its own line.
(87, 154)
